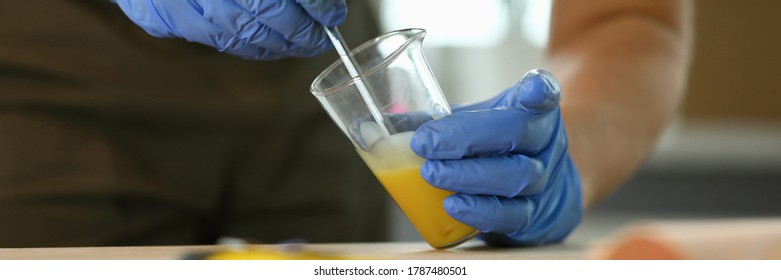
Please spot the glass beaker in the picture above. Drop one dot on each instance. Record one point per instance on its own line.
(405, 92)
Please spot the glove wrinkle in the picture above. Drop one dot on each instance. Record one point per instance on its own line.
(547, 229)
(161, 19)
(506, 175)
(252, 29)
(487, 213)
(328, 13)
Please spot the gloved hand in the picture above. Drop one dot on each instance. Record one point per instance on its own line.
(506, 159)
(253, 29)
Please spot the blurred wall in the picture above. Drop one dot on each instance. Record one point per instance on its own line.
(736, 68)
(722, 156)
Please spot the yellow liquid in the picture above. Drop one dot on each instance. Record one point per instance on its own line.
(420, 202)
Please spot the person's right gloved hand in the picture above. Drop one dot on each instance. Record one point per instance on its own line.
(252, 29)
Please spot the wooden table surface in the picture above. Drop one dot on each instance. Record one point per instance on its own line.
(390, 250)
(573, 248)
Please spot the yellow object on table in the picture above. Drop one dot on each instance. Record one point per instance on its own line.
(280, 252)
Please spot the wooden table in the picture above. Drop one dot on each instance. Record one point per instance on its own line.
(574, 248)
(389, 250)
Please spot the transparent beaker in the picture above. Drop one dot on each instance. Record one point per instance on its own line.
(404, 90)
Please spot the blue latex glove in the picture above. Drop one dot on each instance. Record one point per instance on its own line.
(252, 29)
(507, 161)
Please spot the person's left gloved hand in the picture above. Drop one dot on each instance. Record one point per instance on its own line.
(507, 161)
(252, 29)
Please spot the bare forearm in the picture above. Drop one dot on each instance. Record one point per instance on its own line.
(623, 72)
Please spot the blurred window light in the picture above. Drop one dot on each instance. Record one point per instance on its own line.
(450, 23)
(535, 22)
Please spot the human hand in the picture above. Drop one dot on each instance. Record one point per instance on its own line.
(506, 158)
(252, 29)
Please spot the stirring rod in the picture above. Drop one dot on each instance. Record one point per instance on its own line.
(349, 63)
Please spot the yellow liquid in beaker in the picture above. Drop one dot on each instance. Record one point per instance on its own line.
(398, 169)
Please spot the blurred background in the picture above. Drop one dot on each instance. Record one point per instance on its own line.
(721, 156)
